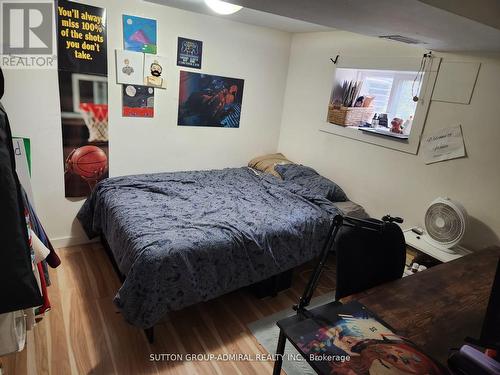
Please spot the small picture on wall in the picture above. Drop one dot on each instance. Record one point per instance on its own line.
(189, 53)
(138, 101)
(154, 71)
(129, 67)
(208, 100)
(139, 34)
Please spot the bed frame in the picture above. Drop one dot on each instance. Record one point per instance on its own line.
(265, 288)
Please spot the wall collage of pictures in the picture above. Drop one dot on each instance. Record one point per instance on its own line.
(205, 100)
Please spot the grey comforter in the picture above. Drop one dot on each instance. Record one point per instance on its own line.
(185, 237)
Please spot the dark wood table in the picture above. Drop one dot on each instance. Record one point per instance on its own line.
(439, 307)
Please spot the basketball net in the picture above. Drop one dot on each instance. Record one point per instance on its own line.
(96, 119)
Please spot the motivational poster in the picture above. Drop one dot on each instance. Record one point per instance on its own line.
(83, 91)
(81, 42)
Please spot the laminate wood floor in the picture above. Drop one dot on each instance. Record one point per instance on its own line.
(85, 334)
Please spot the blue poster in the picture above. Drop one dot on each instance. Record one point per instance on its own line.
(139, 34)
(189, 53)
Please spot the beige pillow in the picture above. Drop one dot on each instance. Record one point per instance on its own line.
(266, 163)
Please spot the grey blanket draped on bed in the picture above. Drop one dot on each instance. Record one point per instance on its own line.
(185, 237)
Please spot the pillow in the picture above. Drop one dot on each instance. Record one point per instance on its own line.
(266, 163)
(323, 187)
(293, 171)
(309, 179)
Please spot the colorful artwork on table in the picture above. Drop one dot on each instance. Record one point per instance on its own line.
(138, 101)
(154, 71)
(129, 67)
(354, 341)
(209, 100)
(189, 52)
(139, 34)
(83, 91)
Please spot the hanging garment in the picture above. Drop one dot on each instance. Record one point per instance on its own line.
(30, 321)
(52, 259)
(29, 314)
(35, 315)
(43, 286)
(12, 332)
(37, 229)
(41, 251)
(18, 287)
(46, 274)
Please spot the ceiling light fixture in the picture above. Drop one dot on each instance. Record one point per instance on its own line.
(222, 7)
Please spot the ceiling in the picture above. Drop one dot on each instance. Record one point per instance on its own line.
(249, 16)
(441, 25)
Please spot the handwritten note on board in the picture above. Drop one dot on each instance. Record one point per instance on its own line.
(443, 144)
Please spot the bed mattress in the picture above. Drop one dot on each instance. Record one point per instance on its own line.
(186, 237)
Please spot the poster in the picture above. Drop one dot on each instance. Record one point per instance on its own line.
(443, 144)
(138, 101)
(139, 34)
(189, 52)
(81, 38)
(209, 100)
(83, 89)
(154, 71)
(129, 67)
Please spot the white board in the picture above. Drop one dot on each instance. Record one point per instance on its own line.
(22, 167)
(456, 81)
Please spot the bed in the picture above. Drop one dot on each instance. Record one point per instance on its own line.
(185, 237)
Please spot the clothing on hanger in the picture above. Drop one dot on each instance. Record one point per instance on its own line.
(52, 259)
(18, 287)
(12, 332)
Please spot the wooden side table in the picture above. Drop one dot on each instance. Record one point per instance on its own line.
(419, 248)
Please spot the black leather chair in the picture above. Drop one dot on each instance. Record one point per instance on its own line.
(369, 252)
(366, 258)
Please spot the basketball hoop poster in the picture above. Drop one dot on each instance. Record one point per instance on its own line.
(83, 89)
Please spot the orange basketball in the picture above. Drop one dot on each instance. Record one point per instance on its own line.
(87, 161)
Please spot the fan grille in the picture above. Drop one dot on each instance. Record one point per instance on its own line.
(443, 223)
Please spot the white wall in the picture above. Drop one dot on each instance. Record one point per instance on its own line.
(388, 181)
(258, 55)
(382, 180)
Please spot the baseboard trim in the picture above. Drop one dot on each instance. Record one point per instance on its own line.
(71, 241)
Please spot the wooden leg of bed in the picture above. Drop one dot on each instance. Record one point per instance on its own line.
(150, 334)
(276, 286)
